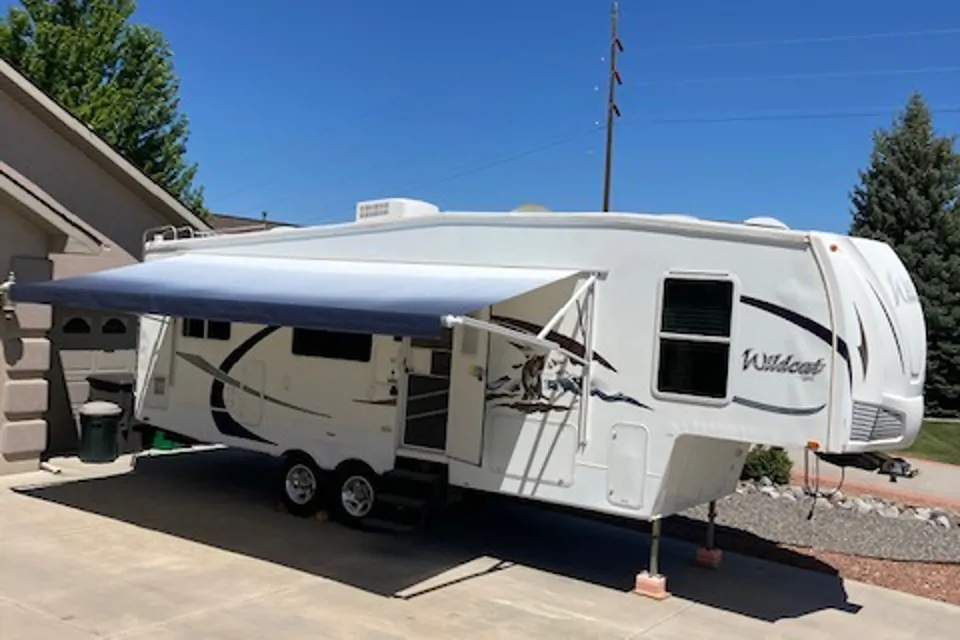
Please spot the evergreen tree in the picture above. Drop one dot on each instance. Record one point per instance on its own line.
(908, 197)
(115, 76)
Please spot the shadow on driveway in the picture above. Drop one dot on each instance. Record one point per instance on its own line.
(224, 499)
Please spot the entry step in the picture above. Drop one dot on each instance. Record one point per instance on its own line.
(407, 502)
(388, 526)
(414, 475)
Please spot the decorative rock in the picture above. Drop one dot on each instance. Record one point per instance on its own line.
(889, 511)
(863, 507)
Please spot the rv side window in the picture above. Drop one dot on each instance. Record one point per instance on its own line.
(206, 329)
(314, 343)
(695, 327)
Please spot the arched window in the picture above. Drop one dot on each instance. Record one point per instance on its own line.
(114, 326)
(76, 325)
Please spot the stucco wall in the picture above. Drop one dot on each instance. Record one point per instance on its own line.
(85, 187)
(24, 349)
(74, 179)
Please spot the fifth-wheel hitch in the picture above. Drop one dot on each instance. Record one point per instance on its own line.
(880, 462)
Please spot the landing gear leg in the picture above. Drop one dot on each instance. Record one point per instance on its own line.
(650, 583)
(709, 556)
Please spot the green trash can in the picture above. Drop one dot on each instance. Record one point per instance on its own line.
(99, 431)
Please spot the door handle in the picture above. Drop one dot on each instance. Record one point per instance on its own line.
(477, 372)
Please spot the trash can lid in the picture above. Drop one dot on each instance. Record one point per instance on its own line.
(101, 408)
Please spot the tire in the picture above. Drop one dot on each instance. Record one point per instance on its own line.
(301, 485)
(354, 493)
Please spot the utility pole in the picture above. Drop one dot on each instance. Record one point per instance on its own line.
(613, 111)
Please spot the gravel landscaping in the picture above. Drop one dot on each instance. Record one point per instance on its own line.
(863, 526)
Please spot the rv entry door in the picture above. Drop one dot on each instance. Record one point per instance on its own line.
(468, 385)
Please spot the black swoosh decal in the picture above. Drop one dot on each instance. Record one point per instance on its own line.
(570, 344)
(772, 408)
(225, 423)
(893, 330)
(805, 323)
(864, 353)
(205, 366)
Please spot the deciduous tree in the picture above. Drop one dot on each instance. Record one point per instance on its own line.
(114, 75)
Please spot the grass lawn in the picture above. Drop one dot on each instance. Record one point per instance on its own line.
(938, 441)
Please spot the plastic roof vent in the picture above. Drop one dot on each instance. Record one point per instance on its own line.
(765, 221)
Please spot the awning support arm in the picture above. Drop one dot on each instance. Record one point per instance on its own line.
(586, 292)
(510, 334)
(576, 297)
(586, 378)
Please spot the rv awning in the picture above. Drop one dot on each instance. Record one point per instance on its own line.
(369, 297)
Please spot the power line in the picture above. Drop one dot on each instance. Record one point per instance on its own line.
(731, 119)
(808, 40)
(800, 76)
(501, 160)
(771, 117)
(663, 121)
(768, 117)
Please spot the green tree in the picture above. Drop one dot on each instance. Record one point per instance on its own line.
(908, 198)
(115, 76)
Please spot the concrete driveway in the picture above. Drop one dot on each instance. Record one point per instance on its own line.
(189, 546)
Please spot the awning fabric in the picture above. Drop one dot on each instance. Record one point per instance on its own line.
(365, 297)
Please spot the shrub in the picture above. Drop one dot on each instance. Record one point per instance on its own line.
(772, 462)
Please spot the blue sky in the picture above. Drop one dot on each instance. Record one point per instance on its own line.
(485, 105)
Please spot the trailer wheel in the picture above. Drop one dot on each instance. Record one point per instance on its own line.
(355, 492)
(301, 487)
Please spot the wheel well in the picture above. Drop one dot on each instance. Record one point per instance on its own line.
(296, 454)
(355, 465)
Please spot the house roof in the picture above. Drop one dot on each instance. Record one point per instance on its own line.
(228, 222)
(19, 88)
(47, 212)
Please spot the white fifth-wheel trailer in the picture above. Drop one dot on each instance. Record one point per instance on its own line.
(617, 363)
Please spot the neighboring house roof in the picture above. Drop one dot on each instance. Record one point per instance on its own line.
(58, 118)
(227, 222)
(47, 212)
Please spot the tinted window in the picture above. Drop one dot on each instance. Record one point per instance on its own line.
(334, 345)
(700, 307)
(193, 328)
(217, 330)
(209, 329)
(695, 352)
(694, 368)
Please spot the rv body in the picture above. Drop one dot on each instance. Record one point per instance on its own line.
(680, 342)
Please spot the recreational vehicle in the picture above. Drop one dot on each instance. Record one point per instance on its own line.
(617, 363)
